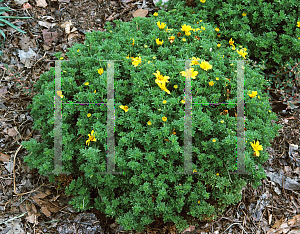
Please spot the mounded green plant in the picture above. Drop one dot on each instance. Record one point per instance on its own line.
(149, 121)
(269, 29)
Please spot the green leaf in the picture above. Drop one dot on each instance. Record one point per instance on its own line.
(15, 17)
(13, 26)
(2, 33)
(3, 9)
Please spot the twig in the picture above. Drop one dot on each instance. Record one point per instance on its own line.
(14, 218)
(39, 59)
(20, 194)
(14, 168)
(233, 224)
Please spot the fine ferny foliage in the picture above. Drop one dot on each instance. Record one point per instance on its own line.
(149, 104)
(270, 29)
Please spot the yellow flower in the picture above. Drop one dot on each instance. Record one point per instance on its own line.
(202, 27)
(154, 57)
(244, 14)
(242, 53)
(270, 111)
(205, 65)
(217, 29)
(217, 78)
(100, 71)
(88, 115)
(163, 87)
(197, 29)
(214, 140)
(198, 202)
(211, 83)
(125, 108)
(160, 78)
(203, 1)
(190, 73)
(256, 147)
(136, 61)
(187, 33)
(95, 91)
(194, 171)
(171, 39)
(149, 123)
(231, 41)
(222, 121)
(61, 58)
(253, 94)
(164, 118)
(219, 45)
(132, 41)
(217, 174)
(78, 50)
(91, 138)
(86, 83)
(161, 25)
(186, 28)
(233, 47)
(161, 81)
(195, 61)
(155, 14)
(149, 62)
(164, 101)
(258, 97)
(175, 86)
(159, 42)
(64, 71)
(182, 101)
(145, 46)
(183, 39)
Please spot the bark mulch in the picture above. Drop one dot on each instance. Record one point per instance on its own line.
(30, 204)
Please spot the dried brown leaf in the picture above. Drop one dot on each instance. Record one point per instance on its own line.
(45, 210)
(140, 13)
(4, 157)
